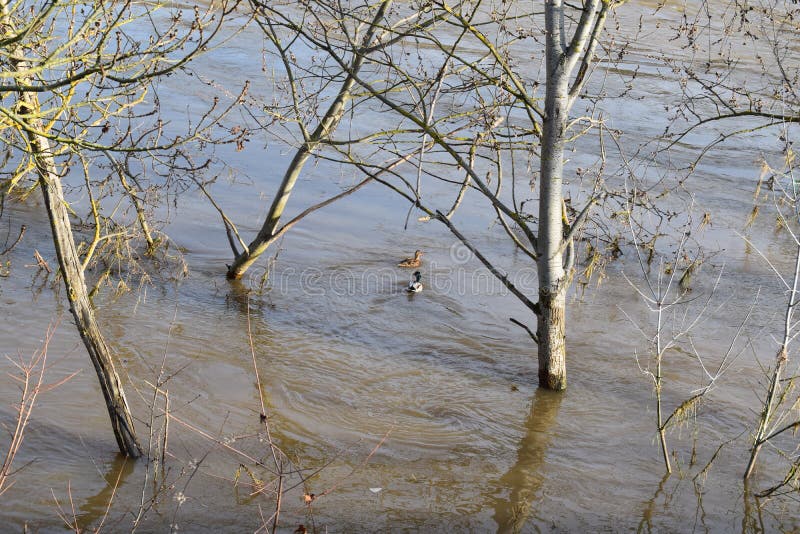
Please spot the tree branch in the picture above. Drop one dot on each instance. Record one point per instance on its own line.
(496, 272)
(534, 337)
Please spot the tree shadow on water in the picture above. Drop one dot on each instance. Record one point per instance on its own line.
(525, 478)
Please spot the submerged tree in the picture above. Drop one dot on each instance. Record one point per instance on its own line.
(463, 101)
(741, 74)
(272, 21)
(477, 109)
(78, 84)
(314, 100)
(778, 416)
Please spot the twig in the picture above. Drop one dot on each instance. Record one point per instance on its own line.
(230, 228)
(32, 384)
(40, 261)
(576, 225)
(265, 421)
(318, 206)
(356, 468)
(534, 337)
(16, 242)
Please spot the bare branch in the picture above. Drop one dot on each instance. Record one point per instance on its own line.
(534, 337)
(496, 272)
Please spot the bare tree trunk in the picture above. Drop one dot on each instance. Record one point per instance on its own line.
(551, 332)
(72, 273)
(259, 245)
(551, 327)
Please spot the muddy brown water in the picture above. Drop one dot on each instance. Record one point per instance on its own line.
(440, 380)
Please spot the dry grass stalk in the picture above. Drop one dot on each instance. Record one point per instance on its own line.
(30, 378)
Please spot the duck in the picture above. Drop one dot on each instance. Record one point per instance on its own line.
(412, 262)
(415, 286)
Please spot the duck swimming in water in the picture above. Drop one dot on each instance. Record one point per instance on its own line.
(412, 262)
(415, 286)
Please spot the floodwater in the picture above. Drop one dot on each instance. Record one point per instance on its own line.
(406, 413)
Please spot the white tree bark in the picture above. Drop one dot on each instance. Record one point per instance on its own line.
(561, 58)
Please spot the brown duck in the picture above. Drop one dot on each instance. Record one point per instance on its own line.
(412, 262)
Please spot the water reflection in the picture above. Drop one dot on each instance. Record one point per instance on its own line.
(95, 508)
(525, 478)
(651, 507)
(238, 297)
(338, 360)
(752, 521)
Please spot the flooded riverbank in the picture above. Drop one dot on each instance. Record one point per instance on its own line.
(414, 413)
